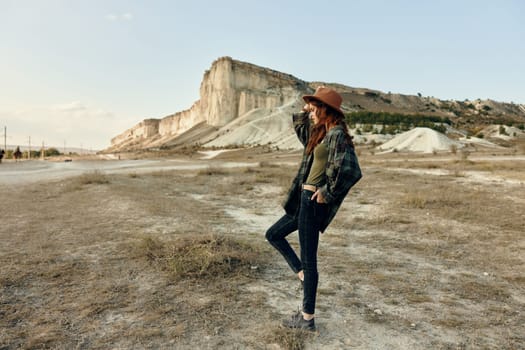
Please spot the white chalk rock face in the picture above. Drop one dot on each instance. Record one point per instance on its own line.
(178, 123)
(246, 103)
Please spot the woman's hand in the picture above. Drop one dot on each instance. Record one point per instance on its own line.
(318, 197)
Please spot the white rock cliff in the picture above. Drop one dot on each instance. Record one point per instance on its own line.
(231, 91)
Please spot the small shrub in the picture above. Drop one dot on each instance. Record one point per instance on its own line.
(368, 128)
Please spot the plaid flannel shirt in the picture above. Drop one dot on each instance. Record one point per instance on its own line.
(342, 169)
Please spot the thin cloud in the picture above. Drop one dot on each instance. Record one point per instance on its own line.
(119, 17)
(70, 107)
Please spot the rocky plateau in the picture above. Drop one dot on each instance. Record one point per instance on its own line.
(243, 104)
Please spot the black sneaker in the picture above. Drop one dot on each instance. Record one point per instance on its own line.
(298, 322)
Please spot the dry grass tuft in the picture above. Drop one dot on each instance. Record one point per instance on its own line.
(290, 339)
(266, 164)
(94, 178)
(210, 171)
(203, 257)
(434, 198)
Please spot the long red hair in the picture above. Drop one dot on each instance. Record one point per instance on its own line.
(328, 118)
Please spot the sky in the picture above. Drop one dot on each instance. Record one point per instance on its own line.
(79, 72)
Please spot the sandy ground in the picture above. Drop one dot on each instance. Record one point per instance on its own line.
(426, 253)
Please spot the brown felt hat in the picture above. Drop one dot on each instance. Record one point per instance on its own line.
(328, 96)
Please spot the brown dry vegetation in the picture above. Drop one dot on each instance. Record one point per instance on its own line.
(178, 260)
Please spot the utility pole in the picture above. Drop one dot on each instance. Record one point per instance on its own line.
(64, 146)
(29, 151)
(5, 138)
(42, 152)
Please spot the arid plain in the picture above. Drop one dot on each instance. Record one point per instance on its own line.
(427, 252)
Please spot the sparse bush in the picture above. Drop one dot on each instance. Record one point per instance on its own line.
(385, 118)
(391, 129)
(368, 128)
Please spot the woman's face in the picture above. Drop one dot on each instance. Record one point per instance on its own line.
(314, 114)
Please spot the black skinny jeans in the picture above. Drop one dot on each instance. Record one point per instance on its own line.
(307, 223)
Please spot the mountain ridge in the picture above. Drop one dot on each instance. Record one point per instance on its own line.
(245, 104)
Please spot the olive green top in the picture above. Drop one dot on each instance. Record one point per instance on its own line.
(316, 175)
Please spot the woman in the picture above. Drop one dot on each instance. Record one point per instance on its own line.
(328, 170)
